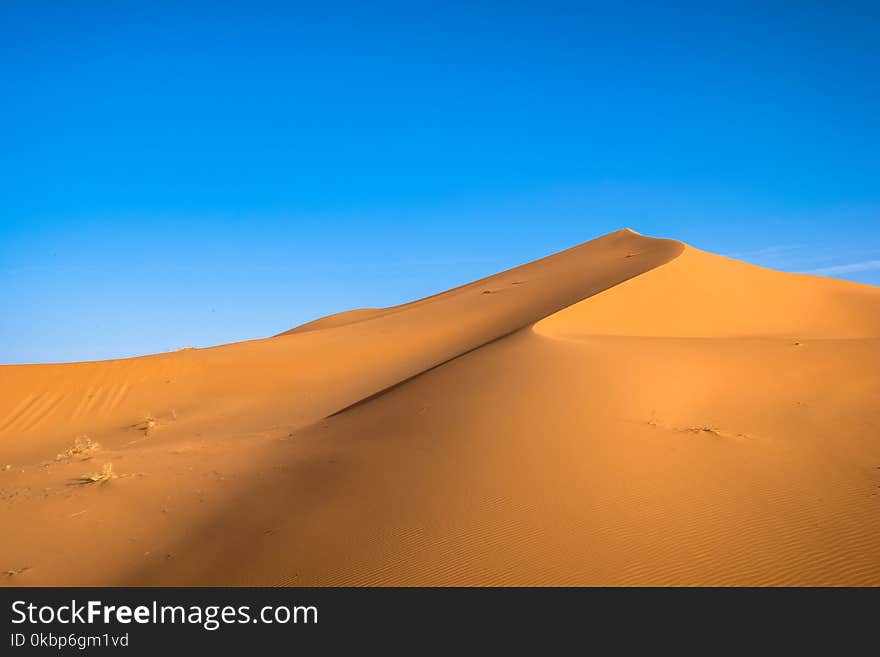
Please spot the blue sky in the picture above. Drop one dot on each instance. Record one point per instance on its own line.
(187, 174)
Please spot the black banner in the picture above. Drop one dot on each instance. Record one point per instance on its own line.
(133, 621)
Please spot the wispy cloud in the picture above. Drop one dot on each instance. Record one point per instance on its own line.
(867, 265)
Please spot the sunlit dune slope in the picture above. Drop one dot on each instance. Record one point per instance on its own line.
(630, 411)
(702, 295)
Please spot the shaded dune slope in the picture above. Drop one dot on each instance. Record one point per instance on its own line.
(630, 411)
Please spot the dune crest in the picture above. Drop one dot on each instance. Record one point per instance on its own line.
(629, 411)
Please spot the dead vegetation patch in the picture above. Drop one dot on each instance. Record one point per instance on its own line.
(702, 430)
(83, 448)
(106, 474)
(698, 429)
(148, 424)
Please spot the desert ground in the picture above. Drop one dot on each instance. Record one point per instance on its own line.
(631, 411)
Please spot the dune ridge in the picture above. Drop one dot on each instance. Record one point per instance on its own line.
(630, 411)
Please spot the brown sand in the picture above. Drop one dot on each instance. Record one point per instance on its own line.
(630, 411)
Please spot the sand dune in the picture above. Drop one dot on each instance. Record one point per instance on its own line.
(630, 411)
